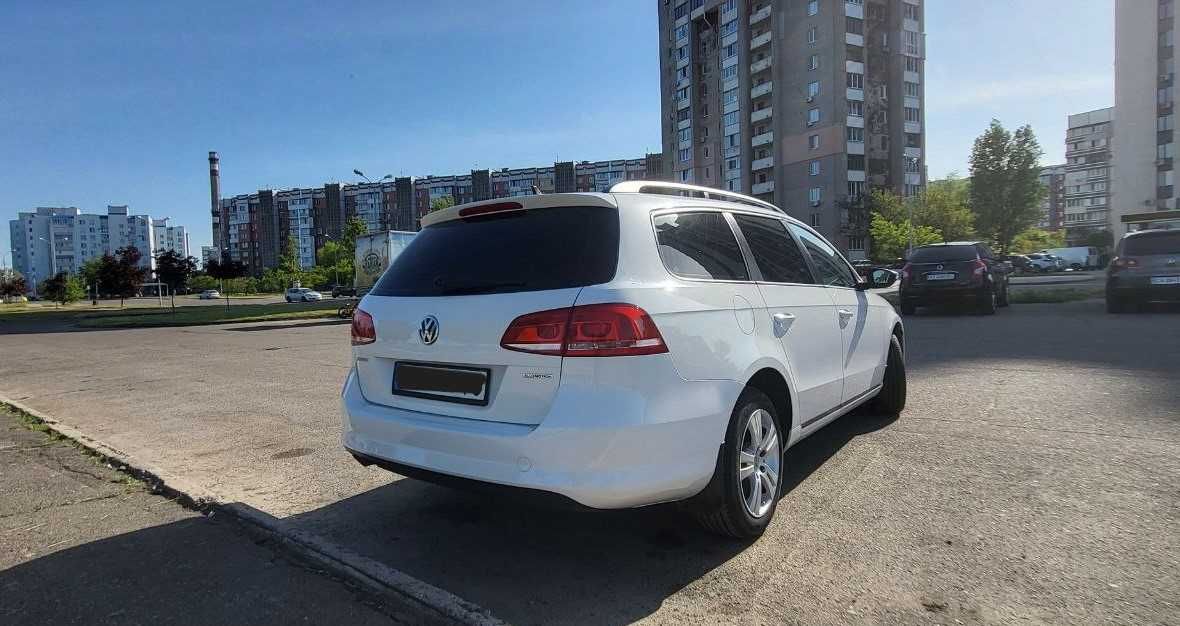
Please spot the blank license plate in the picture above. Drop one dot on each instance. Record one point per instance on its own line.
(1165, 280)
(467, 385)
(940, 277)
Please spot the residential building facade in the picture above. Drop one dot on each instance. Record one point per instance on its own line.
(49, 240)
(1087, 174)
(256, 228)
(1142, 173)
(169, 238)
(1053, 205)
(806, 104)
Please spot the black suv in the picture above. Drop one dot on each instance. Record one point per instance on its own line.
(958, 271)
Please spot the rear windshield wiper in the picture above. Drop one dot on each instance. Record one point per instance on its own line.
(456, 286)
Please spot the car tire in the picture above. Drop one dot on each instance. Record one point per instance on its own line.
(1117, 305)
(909, 308)
(987, 302)
(891, 400)
(1003, 299)
(732, 505)
(288, 300)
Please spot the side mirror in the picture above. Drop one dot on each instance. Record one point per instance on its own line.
(881, 278)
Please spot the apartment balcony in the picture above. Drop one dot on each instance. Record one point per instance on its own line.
(913, 127)
(856, 176)
(760, 114)
(760, 90)
(761, 164)
(763, 139)
(855, 147)
(758, 66)
(731, 152)
(760, 15)
(760, 40)
(913, 153)
(761, 188)
(854, 9)
(854, 39)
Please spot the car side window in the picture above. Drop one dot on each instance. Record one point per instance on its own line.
(775, 252)
(700, 245)
(830, 267)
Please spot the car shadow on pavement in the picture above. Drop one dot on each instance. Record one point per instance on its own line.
(531, 564)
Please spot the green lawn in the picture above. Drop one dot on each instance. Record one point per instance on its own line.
(198, 315)
(1054, 296)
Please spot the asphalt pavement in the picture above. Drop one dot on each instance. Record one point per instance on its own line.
(1032, 478)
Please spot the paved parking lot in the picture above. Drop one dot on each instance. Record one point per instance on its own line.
(1033, 477)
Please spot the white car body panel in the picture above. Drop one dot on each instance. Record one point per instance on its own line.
(612, 432)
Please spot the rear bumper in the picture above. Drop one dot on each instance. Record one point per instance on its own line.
(600, 451)
(1140, 289)
(922, 295)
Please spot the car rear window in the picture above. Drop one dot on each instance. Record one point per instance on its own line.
(935, 254)
(533, 250)
(1155, 243)
(700, 245)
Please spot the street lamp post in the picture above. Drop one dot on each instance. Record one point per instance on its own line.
(367, 180)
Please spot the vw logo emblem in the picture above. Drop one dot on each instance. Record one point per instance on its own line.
(428, 330)
(938, 267)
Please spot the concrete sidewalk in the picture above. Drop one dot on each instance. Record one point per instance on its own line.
(83, 543)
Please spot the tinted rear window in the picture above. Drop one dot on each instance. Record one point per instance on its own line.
(936, 254)
(1155, 243)
(700, 245)
(535, 250)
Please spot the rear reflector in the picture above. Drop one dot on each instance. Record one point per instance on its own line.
(495, 207)
(363, 329)
(615, 329)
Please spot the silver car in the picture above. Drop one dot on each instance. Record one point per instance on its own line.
(1146, 268)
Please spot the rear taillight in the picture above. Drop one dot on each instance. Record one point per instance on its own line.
(1119, 263)
(978, 267)
(363, 330)
(590, 330)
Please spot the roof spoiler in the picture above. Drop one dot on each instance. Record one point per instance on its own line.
(692, 191)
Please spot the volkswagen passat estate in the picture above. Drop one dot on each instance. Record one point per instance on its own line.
(658, 343)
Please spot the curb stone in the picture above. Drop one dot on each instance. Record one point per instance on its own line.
(345, 563)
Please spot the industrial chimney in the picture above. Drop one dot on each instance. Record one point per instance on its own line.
(215, 200)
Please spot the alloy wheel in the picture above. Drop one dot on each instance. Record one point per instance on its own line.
(759, 463)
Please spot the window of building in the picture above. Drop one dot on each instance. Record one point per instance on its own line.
(813, 62)
(812, 34)
(912, 114)
(854, 25)
(776, 253)
(856, 243)
(813, 142)
(684, 134)
(909, 190)
(700, 245)
(685, 155)
(856, 81)
(912, 65)
(856, 162)
(683, 114)
(1164, 96)
(729, 6)
(856, 108)
(815, 195)
(815, 219)
(913, 140)
(1166, 39)
(682, 93)
(912, 165)
(812, 116)
(729, 118)
(729, 96)
(685, 176)
(812, 7)
(856, 188)
(855, 135)
(731, 140)
(912, 89)
(681, 32)
(729, 51)
(732, 164)
(911, 41)
(1164, 151)
(812, 89)
(910, 11)
(680, 10)
(729, 27)
(813, 168)
(729, 72)
(682, 73)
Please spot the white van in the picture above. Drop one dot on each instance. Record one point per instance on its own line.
(1078, 258)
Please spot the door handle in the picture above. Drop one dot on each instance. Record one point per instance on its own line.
(782, 323)
(845, 315)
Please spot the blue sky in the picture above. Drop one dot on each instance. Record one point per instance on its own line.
(119, 103)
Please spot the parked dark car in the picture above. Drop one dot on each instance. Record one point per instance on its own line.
(343, 290)
(1145, 268)
(954, 272)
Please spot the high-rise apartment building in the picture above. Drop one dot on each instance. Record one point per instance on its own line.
(1142, 183)
(256, 228)
(168, 238)
(1053, 205)
(804, 103)
(49, 240)
(1087, 174)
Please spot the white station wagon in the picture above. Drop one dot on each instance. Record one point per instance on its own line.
(657, 343)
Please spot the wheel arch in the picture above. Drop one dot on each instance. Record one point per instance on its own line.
(774, 384)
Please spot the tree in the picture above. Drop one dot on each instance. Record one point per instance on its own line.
(352, 230)
(333, 260)
(63, 288)
(1005, 188)
(223, 270)
(1035, 239)
(12, 284)
(289, 259)
(945, 206)
(120, 275)
(174, 270)
(90, 271)
(1101, 239)
(891, 238)
(441, 202)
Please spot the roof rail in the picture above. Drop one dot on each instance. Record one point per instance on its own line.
(681, 189)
